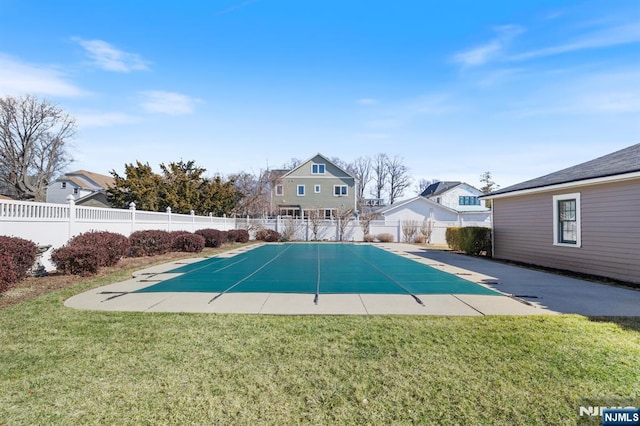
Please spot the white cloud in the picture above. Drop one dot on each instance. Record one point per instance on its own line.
(104, 119)
(623, 34)
(491, 50)
(17, 78)
(157, 101)
(107, 57)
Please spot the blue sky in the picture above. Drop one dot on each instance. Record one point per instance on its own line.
(456, 88)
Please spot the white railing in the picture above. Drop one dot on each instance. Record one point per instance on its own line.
(54, 224)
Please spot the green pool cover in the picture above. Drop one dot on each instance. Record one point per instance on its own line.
(316, 269)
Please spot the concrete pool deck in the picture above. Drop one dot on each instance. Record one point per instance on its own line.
(526, 292)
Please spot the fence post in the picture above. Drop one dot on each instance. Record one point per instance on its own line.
(169, 219)
(399, 230)
(72, 214)
(193, 221)
(132, 208)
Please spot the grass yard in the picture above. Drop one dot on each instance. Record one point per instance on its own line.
(62, 366)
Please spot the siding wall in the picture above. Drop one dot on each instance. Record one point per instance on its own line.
(610, 216)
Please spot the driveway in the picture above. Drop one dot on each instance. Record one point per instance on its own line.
(558, 293)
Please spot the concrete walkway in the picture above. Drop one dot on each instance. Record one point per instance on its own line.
(554, 294)
(545, 290)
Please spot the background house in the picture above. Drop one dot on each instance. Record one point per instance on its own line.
(585, 218)
(86, 187)
(445, 204)
(458, 196)
(316, 184)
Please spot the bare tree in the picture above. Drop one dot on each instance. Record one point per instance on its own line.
(290, 229)
(409, 230)
(424, 184)
(365, 219)
(399, 179)
(344, 216)
(488, 186)
(255, 192)
(315, 219)
(33, 135)
(426, 229)
(292, 164)
(361, 170)
(380, 173)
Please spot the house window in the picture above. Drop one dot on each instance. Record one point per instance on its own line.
(466, 200)
(566, 220)
(75, 191)
(316, 189)
(64, 185)
(300, 191)
(279, 190)
(317, 169)
(339, 190)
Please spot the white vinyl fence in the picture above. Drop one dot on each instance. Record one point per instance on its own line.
(48, 224)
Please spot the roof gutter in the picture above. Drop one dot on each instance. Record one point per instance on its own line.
(574, 184)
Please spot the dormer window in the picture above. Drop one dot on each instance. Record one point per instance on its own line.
(317, 169)
(63, 185)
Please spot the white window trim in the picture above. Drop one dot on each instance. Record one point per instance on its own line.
(324, 168)
(317, 188)
(340, 195)
(279, 190)
(298, 190)
(556, 220)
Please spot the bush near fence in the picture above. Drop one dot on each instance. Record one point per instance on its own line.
(471, 240)
(17, 256)
(150, 243)
(268, 235)
(213, 237)
(188, 242)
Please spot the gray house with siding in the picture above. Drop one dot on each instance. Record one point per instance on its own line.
(585, 218)
(316, 184)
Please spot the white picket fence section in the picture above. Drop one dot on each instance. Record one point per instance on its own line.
(54, 224)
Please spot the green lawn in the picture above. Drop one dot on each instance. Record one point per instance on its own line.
(62, 366)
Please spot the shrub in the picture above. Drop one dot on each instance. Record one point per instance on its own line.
(369, 238)
(268, 235)
(473, 240)
(452, 237)
(76, 259)
(187, 242)
(213, 237)
(17, 256)
(385, 238)
(243, 236)
(149, 243)
(111, 247)
(232, 235)
(420, 239)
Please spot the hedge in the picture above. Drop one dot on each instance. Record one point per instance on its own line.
(213, 237)
(268, 235)
(76, 259)
(111, 247)
(17, 256)
(149, 243)
(473, 240)
(188, 242)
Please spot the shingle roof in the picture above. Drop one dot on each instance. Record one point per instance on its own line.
(82, 177)
(626, 160)
(439, 188)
